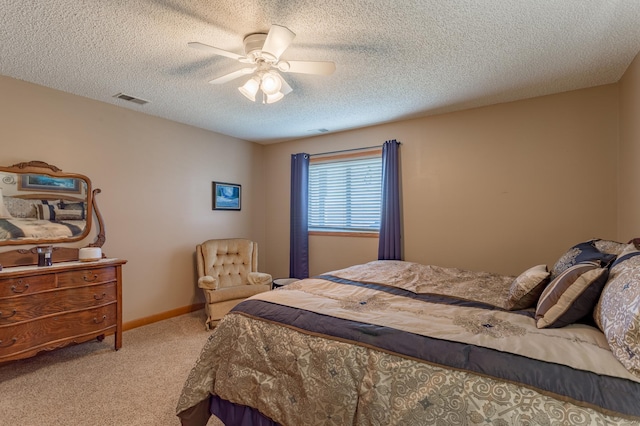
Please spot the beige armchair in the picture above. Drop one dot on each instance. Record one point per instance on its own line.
(227, 273)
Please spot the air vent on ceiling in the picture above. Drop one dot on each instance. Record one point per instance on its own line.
(319, 130)
(130, 98)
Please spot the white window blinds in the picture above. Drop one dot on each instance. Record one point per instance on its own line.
(345, 195)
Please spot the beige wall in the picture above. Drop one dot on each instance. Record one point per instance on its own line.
(499, 188)
(629, 158)
(155, 177)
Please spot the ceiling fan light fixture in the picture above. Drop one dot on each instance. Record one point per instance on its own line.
(270, 99)
(271, 83)
(250, 88)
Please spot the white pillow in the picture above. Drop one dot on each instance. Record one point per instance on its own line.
(4, 213)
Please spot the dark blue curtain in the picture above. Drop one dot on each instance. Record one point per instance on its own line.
(390, 243)
(299, 244)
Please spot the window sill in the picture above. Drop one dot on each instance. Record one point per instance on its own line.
(345, 234)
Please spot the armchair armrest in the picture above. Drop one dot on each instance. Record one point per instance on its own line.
(208, 282)
(256, 278)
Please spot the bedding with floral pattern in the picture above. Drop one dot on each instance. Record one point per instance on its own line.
(399, 343)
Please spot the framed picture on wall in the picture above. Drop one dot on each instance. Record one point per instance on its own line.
(226, 196)
(46, 183)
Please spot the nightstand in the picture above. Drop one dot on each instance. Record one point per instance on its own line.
(281, 282)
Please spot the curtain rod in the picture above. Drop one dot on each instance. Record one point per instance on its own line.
(350, 150)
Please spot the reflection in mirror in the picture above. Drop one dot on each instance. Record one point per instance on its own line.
(41, 204)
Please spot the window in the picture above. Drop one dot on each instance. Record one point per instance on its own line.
(345, 193)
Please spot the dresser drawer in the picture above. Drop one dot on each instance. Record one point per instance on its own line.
(86, 276)
(26, 285)
(48, 332)
(18, 309)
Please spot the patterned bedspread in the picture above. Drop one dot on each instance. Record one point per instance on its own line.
(398, 343)
(28, 228)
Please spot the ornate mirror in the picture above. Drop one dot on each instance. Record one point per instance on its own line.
(42, 205)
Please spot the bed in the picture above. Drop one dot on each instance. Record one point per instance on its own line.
(42, 216)
(400, 343)
(28, 228)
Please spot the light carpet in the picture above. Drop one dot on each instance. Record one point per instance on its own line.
(91, 384)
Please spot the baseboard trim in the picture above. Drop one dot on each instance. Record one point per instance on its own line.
(161, 316)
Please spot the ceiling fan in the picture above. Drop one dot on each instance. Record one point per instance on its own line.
(262, 54)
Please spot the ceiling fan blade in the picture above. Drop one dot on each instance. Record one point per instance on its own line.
(277, 41)
(233, 75)
(308, 67)
(214, 50)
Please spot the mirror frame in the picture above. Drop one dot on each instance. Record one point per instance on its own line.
(23, 257)
(42, 168)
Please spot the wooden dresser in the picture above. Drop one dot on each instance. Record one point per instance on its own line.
(44, 308)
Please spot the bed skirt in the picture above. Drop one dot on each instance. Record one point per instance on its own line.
(235, 414)
(228, 412)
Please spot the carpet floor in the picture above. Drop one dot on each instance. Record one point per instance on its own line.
(91, 384)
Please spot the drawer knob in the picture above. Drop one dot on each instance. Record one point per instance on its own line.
(100, 297)
(98, 321)
(8, 316)
(6, 345)
(21, 287)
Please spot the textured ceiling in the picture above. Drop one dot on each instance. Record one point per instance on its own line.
(394, 59)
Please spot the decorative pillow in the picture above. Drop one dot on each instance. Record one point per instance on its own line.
(629, 249)
(46, 211)
(71, 206)
(582, 252)
(527, 287)
(608, 246)
(66, 214)
(21, 208)
(571, 296)
(80, 206)
(618, 312)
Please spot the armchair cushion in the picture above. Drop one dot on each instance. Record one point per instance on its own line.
(229, 261)
(230, 293)
(257, 278)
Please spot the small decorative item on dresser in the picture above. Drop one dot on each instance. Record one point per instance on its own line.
(281, 282)
(44, 255)
(90, 254)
